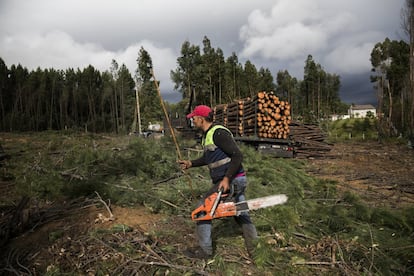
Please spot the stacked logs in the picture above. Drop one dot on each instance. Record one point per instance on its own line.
(310, 140)
(264, 116)
(273, 117)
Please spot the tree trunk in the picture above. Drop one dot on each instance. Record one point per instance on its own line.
(411, 26)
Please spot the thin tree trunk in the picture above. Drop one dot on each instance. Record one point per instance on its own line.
(116, 110)
(411, 26)
(51, 105)
(3, 112)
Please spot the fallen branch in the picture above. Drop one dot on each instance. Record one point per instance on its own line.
(111, 216)
(315, 263)
(179, 267)
(68, 173)
(300, 235)
(169, 203)
(174, 176)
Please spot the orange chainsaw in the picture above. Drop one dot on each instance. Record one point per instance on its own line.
(216, 206)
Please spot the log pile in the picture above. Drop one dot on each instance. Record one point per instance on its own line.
(264, 116)
(267, 116)
(310, 140)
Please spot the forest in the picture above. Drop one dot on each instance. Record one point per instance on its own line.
(86, 99)
(90, 100)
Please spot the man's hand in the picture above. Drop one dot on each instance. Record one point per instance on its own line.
(184, 164)
(225, 184)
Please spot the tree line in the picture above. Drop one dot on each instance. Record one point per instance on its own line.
(205, 76)
(87, 99)
(49, 99)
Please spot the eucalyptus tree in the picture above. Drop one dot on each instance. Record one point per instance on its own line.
(17, 77)
(287, 88)
(233, 71)
(309, 85)
(4, 97)
(91, 87)
(266, 81)
(114, 71)
(330, 97)
(150, 104)
(125, 86)
(407, 22)
(390, 65)
(54, 82)
(188, 74)
(74, 101)
(65, 101)
(250, 84)
(37, 83)
(208, 60)
(219, 76)
(319, 92)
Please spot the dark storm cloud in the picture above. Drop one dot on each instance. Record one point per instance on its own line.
(275, 34)
(357, 89)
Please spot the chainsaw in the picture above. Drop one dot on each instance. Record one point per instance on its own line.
(215, 206)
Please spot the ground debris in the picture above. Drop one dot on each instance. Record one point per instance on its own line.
(373, 170)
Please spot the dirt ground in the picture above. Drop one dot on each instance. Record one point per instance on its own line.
(380, 174)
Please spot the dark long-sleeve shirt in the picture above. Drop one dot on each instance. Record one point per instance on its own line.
(225, 141)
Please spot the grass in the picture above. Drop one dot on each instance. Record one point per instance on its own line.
(355, 129)
(316, 225)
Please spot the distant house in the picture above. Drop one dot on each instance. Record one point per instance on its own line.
(335, 117)
(361, 111)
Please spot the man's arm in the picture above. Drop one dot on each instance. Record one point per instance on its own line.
(199, 162)
(186, 164)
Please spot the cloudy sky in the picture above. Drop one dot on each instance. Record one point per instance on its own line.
(274, 34)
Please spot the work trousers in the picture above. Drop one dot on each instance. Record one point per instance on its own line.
(203, 228)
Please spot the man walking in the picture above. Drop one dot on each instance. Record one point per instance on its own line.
(224, 160)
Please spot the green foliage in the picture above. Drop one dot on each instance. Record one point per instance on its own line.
(358, 129)
(390, 62)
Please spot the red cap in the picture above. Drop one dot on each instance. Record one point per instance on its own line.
(200, 110)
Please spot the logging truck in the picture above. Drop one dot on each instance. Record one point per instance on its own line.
(264, 121)
(261, 121)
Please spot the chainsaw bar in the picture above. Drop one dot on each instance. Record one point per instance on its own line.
(259, 203)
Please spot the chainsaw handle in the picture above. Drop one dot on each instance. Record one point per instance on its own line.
(216, 202)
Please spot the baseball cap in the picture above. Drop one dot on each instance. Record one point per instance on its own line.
(200, 110)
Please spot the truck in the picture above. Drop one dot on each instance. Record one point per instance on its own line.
(261, 121)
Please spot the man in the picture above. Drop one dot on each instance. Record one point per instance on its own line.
(224, 159)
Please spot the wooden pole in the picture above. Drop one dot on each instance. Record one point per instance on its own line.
(138, 110)
(167, 118)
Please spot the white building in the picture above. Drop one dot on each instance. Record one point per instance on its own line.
(335, 117)
(361, 111)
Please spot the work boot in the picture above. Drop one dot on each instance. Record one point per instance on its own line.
(250, 237)
(197, 253)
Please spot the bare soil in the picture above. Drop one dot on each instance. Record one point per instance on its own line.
(382, 174)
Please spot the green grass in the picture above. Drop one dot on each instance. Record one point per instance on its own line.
(356, 129)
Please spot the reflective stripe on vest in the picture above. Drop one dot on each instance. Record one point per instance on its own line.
(219, 163)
